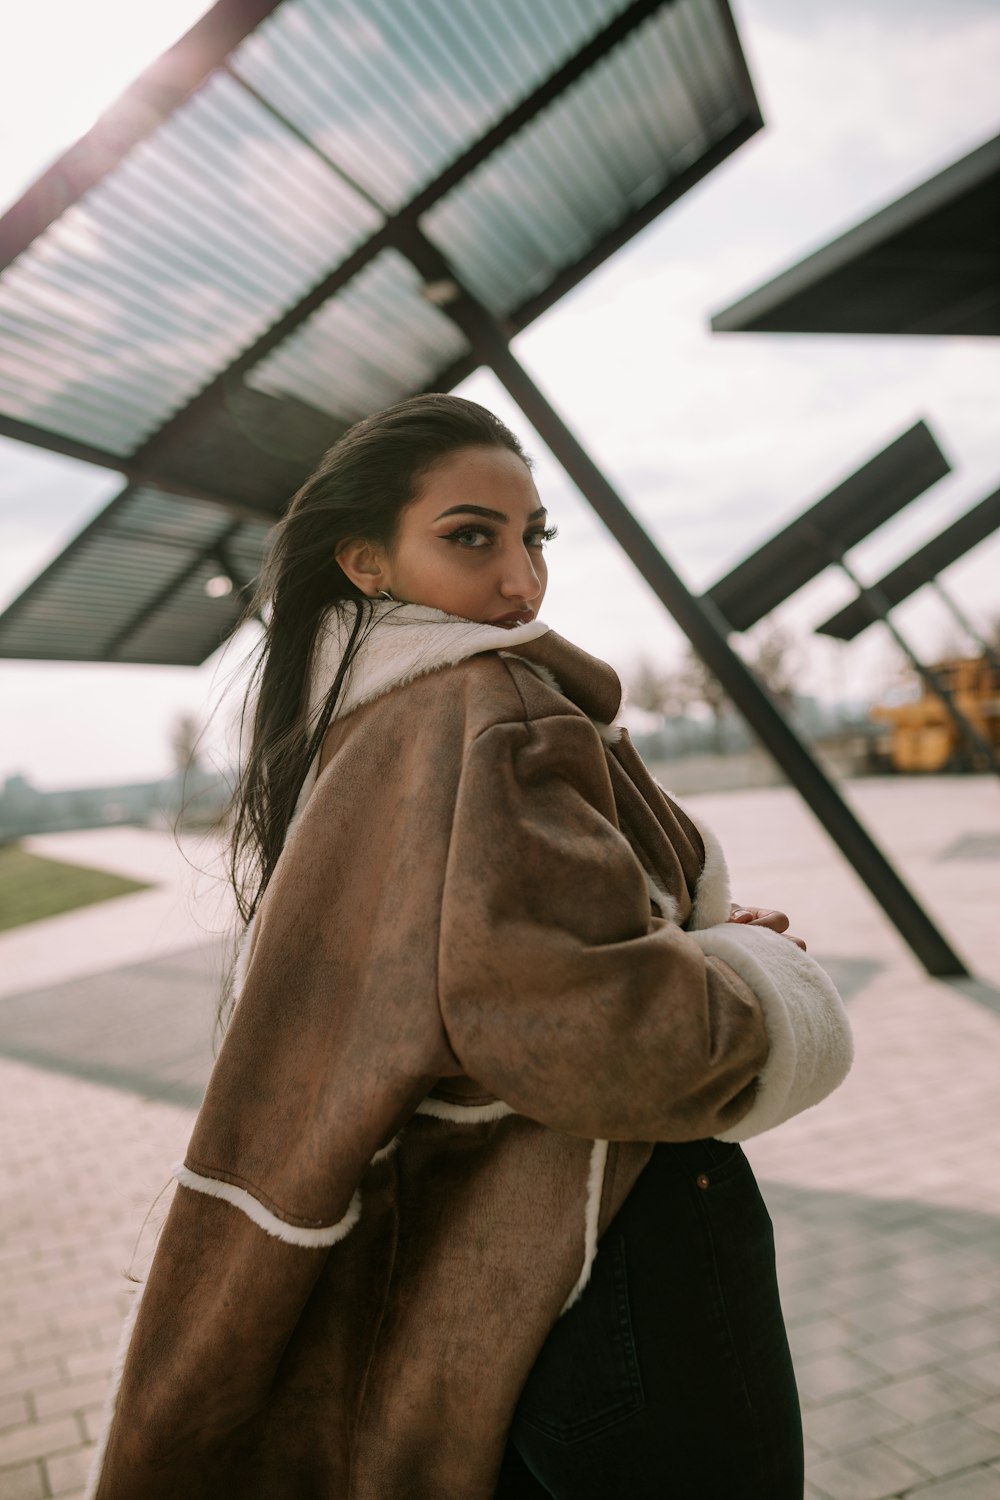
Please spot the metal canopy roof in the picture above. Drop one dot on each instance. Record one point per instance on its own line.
(927, 264)
(923, 566)
(828, 529)
(235, 264)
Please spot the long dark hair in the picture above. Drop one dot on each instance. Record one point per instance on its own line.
(359, 490)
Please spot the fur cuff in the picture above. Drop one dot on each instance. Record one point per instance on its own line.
(807, 1027)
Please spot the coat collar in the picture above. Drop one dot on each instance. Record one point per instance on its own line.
(405, 641)
(586, 680)
(400, 642)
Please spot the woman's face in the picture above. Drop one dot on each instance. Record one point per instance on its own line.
(470, 544)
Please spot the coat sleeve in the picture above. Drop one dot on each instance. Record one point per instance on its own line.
(559, 991)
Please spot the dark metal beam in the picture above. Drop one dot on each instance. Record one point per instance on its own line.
(924, 264)
(921, 567)
(143, 106)
(793, 556)
(138, 475)
(707, 630)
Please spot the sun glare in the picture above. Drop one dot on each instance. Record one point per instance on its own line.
(62, 63)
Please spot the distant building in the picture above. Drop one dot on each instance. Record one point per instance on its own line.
(201, 797)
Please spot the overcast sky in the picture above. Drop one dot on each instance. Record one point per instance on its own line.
(716, 440)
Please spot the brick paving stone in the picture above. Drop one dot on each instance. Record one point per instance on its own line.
(868, 1473)
(68, 1471)
(36, 1439)
(977, 1484)
(836, 1374)
(24, 1483)
(907, 1353)
(851, 1422)
(822, 1336)
(979, 1370)
(14, 1411)
(96, 1362)
(22, 1378)
(987, 1416)
(881, 1317)
(947, 1446)
(956, 1295)
(969, 1332)
(924, 1397)
(72, 1396)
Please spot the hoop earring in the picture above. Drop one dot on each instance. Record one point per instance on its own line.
(384, 594)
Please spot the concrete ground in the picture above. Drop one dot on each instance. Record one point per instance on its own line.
(886, 1200)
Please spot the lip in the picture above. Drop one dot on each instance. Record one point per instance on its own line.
(515, 617)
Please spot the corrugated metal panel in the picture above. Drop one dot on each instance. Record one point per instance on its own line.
(598, 152)
(231, 217)
(137, 295)
(377, 341)
(92, 603)
(395, 90)
(189, 627)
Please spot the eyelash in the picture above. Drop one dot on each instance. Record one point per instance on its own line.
(547, 534)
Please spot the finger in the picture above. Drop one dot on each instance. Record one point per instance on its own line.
(796, 940)
(776, 920)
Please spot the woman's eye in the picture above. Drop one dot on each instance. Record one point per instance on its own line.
(470, 536)
(539, 538)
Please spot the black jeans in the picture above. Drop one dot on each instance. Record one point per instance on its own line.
(670, 1379)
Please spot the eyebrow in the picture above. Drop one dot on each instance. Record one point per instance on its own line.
(491, 515)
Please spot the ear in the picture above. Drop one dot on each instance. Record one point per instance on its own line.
(364, 564)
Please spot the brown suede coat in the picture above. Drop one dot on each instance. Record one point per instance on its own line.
(462, 910)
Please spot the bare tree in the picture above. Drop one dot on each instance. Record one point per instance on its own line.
(185, 740)
(700, 685)
(652, 689)
(776, 662)
(662, 693)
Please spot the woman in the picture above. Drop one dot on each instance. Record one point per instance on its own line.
(425, 1244)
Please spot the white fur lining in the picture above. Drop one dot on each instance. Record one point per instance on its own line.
(463, 1114)
(243, 958)
(595, 1191)
(402, 642)
(712, 900)
(386, 1151)
(660, 898)
(292, 1234)
(807, 1027)
(111, 1399)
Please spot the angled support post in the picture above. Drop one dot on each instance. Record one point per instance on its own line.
(980, 749)
(707, 630)
(964, 623)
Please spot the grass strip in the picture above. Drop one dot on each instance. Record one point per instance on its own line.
(32, 888)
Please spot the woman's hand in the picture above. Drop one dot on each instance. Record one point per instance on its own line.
(758, 916)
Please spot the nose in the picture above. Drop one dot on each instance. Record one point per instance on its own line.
(520, 579)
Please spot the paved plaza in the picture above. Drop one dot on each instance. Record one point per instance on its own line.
(886, 1200)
